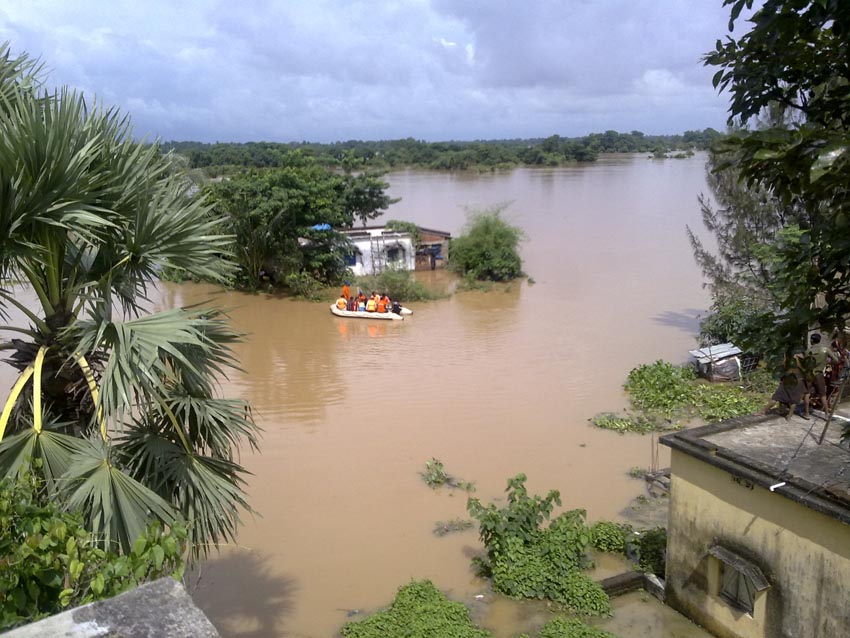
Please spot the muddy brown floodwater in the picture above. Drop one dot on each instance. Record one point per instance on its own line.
(492, 384)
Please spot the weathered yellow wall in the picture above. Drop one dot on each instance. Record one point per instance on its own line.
(804, 554)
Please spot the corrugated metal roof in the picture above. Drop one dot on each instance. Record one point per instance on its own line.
(715, 353)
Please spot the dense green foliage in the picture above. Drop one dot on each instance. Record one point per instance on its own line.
(419, 610)
(400, 285)
(488, 248)
(405, 227)
(50, 561)
(650, 550)
(526, 560)
(278, 217)
(115, 408)
(795, 57)
(607, 536)
(560, 627)
(669, 391)
(552, 151)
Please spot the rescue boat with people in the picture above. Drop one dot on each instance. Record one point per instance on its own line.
(381, 316)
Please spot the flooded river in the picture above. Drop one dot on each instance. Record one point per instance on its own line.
(491, 383)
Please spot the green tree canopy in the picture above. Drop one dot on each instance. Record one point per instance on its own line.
(796, 55)
(273, 213)
(488, 248)
(114, 408)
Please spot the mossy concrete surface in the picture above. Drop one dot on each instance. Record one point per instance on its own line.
(158, 609)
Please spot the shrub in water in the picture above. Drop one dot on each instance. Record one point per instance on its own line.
(419, 610)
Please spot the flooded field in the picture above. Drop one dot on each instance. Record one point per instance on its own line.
(491, 383)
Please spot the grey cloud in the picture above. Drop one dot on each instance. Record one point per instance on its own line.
(333, 69)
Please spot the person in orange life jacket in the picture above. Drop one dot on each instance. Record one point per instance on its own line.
(381, 305)
(346, 291)
(342, 304)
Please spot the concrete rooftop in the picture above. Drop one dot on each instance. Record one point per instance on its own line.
(783, 455)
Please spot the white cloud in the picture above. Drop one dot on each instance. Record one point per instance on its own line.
(348, 69)
(659, 82)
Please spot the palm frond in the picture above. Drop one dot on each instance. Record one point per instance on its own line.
(208, 492)
(116, 506)
(47, 453)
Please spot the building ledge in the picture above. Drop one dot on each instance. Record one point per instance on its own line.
(161, 609)
(781, 456)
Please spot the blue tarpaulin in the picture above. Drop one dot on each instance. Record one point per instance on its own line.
(321, 227)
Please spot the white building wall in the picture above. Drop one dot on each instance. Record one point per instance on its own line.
(396, 251)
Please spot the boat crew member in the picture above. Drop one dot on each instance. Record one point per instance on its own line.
(381, 304)
(346, 291)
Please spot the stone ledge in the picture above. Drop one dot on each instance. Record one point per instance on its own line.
(158, 609)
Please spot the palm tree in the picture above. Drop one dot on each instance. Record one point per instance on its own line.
(115, 408)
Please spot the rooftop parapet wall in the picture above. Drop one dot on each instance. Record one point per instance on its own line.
(161, 609)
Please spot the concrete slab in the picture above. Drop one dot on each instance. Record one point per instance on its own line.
(161, 609)
(780, 455)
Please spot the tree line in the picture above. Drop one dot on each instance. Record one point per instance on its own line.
(455, 155)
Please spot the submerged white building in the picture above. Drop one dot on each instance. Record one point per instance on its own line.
(379, 249)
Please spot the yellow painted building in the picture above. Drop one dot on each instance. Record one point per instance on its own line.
(759, 529)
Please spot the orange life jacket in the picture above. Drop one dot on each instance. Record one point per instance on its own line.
(341, 304)
(382, 305)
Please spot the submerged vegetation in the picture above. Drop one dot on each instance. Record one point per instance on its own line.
(435, 476)
(666, 397)
(526, 560)
(488, 247)
(419, 610)
(443, 528)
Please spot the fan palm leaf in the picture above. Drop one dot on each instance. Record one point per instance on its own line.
(88, 218)
(116, 506)
(207, 491)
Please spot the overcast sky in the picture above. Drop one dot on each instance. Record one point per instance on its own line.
(330, 70)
